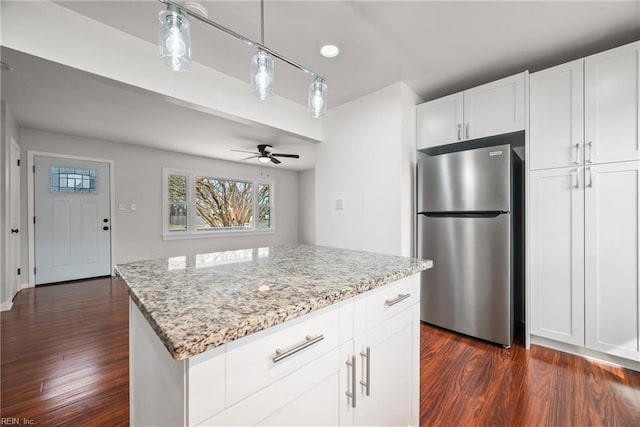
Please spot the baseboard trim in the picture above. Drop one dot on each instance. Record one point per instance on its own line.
(6, 306)
(25, 286)
(586, 353)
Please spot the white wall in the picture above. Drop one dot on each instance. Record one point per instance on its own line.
(9, 131)
(138, 179)
(307, 207)
(367, 159)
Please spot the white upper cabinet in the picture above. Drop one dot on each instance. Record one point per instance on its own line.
(440, 121)
(611, 105)
(491, 109)
(557, 116)
(612, 235)
(495, 108)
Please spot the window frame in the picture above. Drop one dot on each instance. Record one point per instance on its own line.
(191, 231)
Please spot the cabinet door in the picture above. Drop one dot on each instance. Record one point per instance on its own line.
(611, 247)
(439, 121)
(557, 114)
(611, 105)
(393, 376)
(556, 245)
(495, 108)
(312, 395)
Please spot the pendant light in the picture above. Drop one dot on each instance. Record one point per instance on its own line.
(318, 97)
(174, 39)
(262, 66)
(175, 50)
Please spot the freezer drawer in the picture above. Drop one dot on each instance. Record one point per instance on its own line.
(469, 289)
(472, 180)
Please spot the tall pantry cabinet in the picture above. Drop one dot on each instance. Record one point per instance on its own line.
(584, 219)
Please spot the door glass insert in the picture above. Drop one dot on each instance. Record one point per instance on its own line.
(70, 180)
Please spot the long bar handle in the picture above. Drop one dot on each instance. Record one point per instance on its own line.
(577, 179)
(590, 145)
(590, 185)
(283, 354)
(352, 394)
(459, 132)
(467, 130)
(577, 146)
(367, 383)
(394, 301)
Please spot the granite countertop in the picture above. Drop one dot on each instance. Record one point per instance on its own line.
(195, 303)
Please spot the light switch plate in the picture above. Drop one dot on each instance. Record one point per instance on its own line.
(339, 204)
(134, 207)
(122, 206)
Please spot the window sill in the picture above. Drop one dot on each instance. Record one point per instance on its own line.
(217, 233)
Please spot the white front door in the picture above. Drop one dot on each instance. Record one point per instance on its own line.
(72, 219)
(14, 220)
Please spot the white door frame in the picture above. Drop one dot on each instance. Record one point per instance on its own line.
(31, 203)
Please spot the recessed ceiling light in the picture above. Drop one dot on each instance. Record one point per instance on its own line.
(329, 51)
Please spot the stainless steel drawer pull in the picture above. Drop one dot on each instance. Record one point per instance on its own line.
(590, 145)
(577, 162)
(367, 383)
(283, 354)
(394, 301)
(459, 132)
(352, 394)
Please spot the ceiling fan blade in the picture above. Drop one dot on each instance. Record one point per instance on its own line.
(251, 157)
(243, 151)
(293, 156)
(276, 161)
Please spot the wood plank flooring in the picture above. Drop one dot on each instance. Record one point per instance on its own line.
(65, 362)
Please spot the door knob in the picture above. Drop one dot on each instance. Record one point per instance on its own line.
(105, 228)
(15, 230)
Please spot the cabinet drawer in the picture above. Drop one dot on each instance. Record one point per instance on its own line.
(392, 299)
(252, 363)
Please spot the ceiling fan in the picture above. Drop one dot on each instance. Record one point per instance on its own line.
(265, 154)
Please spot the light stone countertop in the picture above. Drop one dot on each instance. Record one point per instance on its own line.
(195, 303)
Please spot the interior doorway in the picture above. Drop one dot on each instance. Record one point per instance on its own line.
(72, 219)
(14, 219)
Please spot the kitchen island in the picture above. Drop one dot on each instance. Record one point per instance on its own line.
(277, 335)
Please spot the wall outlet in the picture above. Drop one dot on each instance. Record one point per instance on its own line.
(339, 204)
(122, 206)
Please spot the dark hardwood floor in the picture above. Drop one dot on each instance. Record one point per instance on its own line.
(65, 355)
(65, 362)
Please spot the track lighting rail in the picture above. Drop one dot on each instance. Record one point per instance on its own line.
(242, 38)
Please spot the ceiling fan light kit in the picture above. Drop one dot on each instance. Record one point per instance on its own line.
(175, 51)
(265, 154)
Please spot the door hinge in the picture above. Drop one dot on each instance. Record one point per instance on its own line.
(18, 271)
(18, 162)
(34, 219)
(34, 270)
(34, 168)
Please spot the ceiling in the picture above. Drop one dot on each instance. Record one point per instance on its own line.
(436, 48)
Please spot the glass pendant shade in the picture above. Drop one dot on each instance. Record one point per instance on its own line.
(262, 75)
(264, 159)
(174, 40)
(318, 98)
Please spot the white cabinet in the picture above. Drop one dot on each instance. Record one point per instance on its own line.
(287, 374)
(556, 234)
(612, 289)
(557, 116)
(611, 105)
(386, 356)
(440, 121)
(584, 237)
(492, 109)
(586, 111)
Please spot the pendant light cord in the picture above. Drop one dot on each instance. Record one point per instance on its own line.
(262, 22)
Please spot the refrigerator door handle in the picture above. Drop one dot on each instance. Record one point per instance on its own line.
(467, 214)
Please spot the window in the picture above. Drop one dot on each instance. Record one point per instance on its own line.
(200, 205)
(70, 180)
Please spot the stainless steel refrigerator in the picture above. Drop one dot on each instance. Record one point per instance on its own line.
(466, 225)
